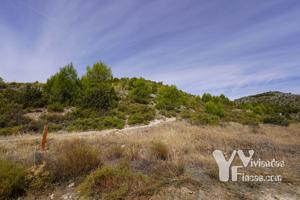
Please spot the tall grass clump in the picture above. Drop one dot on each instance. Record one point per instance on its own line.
(159, 151)
(74, 158)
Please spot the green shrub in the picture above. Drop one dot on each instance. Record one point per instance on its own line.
(168, 113)
(31, 96)
(191, 101)
(74, 158)
(137, 118)
(110, 183)
(53, 118)
(206, 97)
(186, 114)
(141, 91)
(102, 96)
(99, 73)
(277, 120)
(141, 118)
(11, 114)
(140, 114)
(55, 107)
(2, 83)
(204, 119)
(10, 130)
(214, 108)
(113, 122)
(12, 180)
(63, 87)
(159, 151)
(84, 124)
(168, 98)
(118, 114)
(55, 127)
(98, 123)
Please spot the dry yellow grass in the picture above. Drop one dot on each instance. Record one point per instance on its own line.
(191, 147)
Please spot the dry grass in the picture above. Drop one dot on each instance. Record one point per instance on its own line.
(184, 152)
(73, 158)
(159, 151)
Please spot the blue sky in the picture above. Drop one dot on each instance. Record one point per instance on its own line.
(234, 47)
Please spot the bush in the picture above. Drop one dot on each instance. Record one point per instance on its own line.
(243, 117)
(117, 113)
(31, 96)
(113, 122)
(206, 97)
(55, 127)
(98, 123)
(64, 86)
(159, 151)
(203, 119)
(12, 180)
(140, 114)
(53, 118)
(11, 114)
(192, 101)
(168, 98)
(74, 158)
(137, 118)
(186, 114)
(112, 183)
(55, 107)
(2, 83)
(10, 130)
(277, 120)
(141, 91)
(214, 108)
(168, 113)
(98, 74)
(101, 97)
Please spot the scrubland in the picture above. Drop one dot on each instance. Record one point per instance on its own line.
(171, 160)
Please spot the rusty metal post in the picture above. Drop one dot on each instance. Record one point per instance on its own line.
(44, 139)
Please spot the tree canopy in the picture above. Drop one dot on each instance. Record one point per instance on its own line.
(98, 92)
(98, 74)
(169, 98)
(141, 92)
(64, 86)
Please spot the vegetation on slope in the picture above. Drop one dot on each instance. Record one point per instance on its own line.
(99, 101)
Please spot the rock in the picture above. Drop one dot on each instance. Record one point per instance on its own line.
(186, 190)
(52, 196)
(71, 185)
(67, 196)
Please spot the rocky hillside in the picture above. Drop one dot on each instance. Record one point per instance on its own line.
(273, 98)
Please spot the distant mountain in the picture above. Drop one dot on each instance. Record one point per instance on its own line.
(273, 98)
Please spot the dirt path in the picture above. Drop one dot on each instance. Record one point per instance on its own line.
(63, 134)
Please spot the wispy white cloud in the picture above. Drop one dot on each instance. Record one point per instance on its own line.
(201, 46)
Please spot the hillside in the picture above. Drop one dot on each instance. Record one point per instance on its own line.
(98, 101)
(273, 98)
